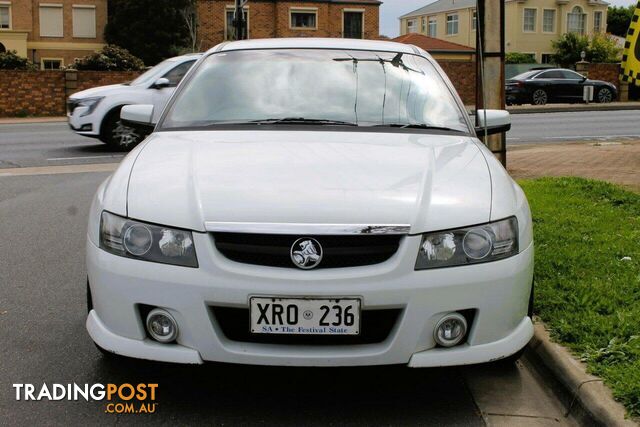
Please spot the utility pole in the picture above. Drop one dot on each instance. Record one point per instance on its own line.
(239, 23)
(490, 48)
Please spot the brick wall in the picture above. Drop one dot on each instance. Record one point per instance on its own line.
(268, 19)
(607, 72)
(42, 93)
(89, 79)
(463, 76)
(34, 93)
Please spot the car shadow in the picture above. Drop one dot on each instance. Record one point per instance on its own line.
(286, 395)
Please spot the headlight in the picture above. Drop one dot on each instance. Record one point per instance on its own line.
(90, 103)
(134, 239)
(470, 245)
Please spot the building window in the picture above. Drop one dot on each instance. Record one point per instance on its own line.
(353, 24)
(411, 26)
(547, 58)
(452, 24)
(474, 20)
(597, 22)
(529, 22)
(433, 26)
(303, 19)
(575, 21)
(84, 22)
(424, 25)
(51, 63)
(51, 20)
(229, 29)
(548, 20)
(5, 16)
(2, 48)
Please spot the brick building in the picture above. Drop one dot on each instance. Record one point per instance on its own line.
(279, 18)
(52, 33)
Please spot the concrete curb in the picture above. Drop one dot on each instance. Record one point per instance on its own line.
(567, 108)
(574, 108)
(586, 390)
(28, 120)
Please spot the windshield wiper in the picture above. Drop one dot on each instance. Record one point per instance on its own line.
(418, 126)
(302, 120)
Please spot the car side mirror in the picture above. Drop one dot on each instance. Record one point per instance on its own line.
(161, 82)
(136, 115)
(497, 121)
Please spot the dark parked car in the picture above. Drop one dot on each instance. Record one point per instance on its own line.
(541, 86)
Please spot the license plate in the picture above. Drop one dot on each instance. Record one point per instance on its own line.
(303, 316)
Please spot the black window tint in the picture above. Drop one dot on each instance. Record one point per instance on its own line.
(566, 74)
(178, 72)
(550, 75)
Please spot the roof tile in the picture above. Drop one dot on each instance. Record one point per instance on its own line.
(431, 44)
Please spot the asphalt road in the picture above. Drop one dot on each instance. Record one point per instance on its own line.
(43, 340)
(574, 126)
(49, 144)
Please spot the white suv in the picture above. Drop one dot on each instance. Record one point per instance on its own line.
(96, 112)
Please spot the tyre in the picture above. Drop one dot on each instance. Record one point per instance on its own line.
(604, 95)
(117, 135)
(539, 97)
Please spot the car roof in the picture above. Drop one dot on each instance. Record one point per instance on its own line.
(316, 43)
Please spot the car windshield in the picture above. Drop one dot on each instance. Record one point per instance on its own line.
(154, 73)
(316, 86)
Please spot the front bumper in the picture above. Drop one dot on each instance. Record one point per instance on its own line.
(516, 96)
(88, 125)
(497, 291)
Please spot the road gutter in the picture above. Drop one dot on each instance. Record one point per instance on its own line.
(585, 390)
(57, 170)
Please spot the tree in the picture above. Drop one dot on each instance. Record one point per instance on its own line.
(598, 48)
(619, 19)
(10, 60)
(603, 48)
(150, 29)
(519, 58)
(110, 58)
(190, 16)
(567, 49)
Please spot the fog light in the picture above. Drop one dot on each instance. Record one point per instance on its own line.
(161, 325)
(450, 330)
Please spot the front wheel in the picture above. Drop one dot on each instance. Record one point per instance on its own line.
(119, 136)
(605, 95)
(539, 97)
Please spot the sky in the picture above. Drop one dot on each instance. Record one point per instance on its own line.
(392, 9)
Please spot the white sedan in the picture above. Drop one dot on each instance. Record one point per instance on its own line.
(312, 202)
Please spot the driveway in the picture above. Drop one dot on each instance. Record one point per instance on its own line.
(616, 160)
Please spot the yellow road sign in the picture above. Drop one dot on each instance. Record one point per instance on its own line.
(631, 55)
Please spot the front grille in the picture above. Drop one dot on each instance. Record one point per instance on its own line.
(338, 251)
(375, 327)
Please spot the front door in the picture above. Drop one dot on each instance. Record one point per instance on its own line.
(573, 84)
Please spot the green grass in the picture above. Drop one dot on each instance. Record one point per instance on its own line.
(587, 288)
